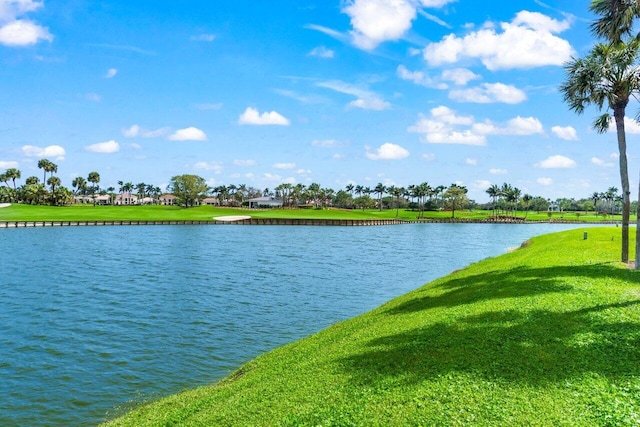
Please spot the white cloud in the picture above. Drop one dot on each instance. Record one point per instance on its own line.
(376, 21)
(471, 162)
(517, 126)
(419, 78)
(556, 162)
(54, 151)
(303, 172)
(599, 162)
(544, 181)
(495, 171)
(284, 165)
(253, 117)
(365, 98)
(111, 146)
(188, 134)
(322, 52)
(15, 31)
(527, 41)
(137, 131)
(240, 162)
(272, 177)
(388, 151)
(216, 167)
(8, 164)
(567, 133)
(327, 143)
(429, 157)
(23, 33)
(10, 9)
(443, 127)
(370, 104)
(459, 76)
(203, 38)
(630, 125)
(111, 72)
(489, 93)
(481, 184)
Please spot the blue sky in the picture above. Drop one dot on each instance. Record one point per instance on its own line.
(328, 91)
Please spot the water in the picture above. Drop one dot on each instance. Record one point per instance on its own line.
(94, 317)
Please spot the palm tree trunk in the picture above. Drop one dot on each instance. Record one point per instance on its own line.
(624, 178)
(637, 264)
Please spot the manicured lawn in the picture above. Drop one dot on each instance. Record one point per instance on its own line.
(546, 335)
(19, 212)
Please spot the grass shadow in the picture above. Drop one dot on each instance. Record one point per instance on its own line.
(521, 343)
(513, 283)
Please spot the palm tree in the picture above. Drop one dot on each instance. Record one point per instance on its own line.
(616, 18)
(526, 199)
(494, 192)
(80, 184)
(379, 190)
(93, 178)
(53, 182)
(396, 192)
(608, 77)
(13, 174)
(47, 166)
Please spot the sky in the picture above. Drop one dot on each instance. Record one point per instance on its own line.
(335, 92)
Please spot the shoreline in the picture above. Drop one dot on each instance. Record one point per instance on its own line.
(281, 221)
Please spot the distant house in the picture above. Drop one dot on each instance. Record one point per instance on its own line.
(168, 199)
(147, 201)
(212, 201)
(265, 202)
(126, 199)
(83, 199)
(103, 200)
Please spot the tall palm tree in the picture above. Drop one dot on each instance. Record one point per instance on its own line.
(494, 192)
(379, 190)
(608, 77)
(53, 182)
(80, 184)
(13, 174)
(93, 178)
(615, 18)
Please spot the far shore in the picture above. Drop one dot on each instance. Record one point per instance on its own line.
(143, 214)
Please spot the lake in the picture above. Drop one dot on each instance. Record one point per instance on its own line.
(94, 318)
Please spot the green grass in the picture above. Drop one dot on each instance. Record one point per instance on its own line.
(546, 335)
(20, 212)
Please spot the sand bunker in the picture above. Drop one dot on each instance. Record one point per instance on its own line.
(5, 205)
(232, 218)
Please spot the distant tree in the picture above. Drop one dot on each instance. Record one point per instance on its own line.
(53, 182)
(94, 179)
(13, 174)
(456, 198)
(47, 166)
(189, 189)
(380, 190)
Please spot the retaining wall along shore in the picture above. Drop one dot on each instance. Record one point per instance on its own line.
(252, 221)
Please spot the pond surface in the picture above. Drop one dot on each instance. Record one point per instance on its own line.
(92, 318)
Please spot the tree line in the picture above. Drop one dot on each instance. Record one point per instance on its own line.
(191, 190)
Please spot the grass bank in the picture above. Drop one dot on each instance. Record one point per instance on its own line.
(20, 212)
(546, 335)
